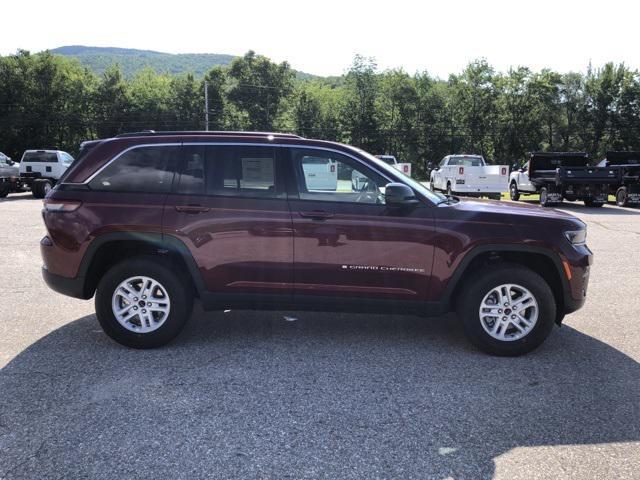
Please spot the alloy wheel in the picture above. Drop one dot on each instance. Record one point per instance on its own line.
(508, 312)
(140, 304)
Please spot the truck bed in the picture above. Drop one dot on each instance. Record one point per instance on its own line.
(570, 168)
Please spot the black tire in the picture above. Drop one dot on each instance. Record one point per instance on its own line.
(36, 190)
(622, 197)
(589, 202)
(513, 192)
(473, 293)
(570, 198)
(178, 289)
(544, 198)
(46, 185)
(4, 190)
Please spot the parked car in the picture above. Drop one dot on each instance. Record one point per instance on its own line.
(147, 222)
(9, 176)
(627, 164)
(469, 175)
(559, 176)
(41, 169)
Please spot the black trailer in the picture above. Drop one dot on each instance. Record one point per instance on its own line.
(568, 175)
(627, 190)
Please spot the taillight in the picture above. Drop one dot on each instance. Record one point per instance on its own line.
(461, 170)
(61, 206)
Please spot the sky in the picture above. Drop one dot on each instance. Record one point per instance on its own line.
(321, 37)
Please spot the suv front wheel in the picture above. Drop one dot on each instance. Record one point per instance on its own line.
(507, 310)
(141, 303)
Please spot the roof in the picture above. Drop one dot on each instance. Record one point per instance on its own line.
(622, 156)
(559, 154)
(218, 133)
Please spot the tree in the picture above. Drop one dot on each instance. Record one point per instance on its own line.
(219, 114)
(258, 88)
(186, 102)
(112, 103)
(359, 114)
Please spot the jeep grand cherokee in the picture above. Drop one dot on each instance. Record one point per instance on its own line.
(148, 221)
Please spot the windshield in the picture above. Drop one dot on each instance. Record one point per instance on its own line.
(467, 161)
(417, 186)
(387, 159)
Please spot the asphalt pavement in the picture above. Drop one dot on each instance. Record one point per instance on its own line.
(249, 395)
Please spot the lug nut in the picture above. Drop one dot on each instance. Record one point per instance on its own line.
(135, 308)
(144, 297)
(504, 319)
(144, 311)
(513, 317)
(149, 304)
(500, 310)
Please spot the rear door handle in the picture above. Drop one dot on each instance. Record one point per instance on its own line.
(192, 209)
(316, 215)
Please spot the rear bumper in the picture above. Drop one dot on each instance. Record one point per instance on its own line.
(71, 287)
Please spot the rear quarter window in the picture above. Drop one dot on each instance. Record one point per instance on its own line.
(34, 157)
(140, 170)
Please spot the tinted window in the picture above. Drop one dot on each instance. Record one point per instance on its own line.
(49, 157)
(144, 169)
(333, 177)
(229, 171)
(191, 181)
(241, 171)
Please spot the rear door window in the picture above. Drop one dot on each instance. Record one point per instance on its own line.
(244, 171)
(230, 170)
(140, 170)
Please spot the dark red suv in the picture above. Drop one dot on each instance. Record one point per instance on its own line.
(148, 221)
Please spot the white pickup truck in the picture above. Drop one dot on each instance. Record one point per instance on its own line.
(41, 169)
(471, 176)
(391, 160)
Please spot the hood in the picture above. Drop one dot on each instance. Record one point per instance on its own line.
(517, 213)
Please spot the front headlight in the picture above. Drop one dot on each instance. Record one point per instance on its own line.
(577, 237)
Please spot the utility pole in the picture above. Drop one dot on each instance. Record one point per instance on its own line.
(206, 105)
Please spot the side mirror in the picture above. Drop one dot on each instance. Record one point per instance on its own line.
(399, 195)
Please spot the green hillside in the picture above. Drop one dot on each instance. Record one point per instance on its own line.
(132, 60)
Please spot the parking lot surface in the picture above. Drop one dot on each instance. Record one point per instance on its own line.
(250, 395)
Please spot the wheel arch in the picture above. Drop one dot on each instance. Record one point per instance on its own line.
(540, 260)
(110, 248)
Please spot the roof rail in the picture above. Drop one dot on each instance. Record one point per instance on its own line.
(149, 133)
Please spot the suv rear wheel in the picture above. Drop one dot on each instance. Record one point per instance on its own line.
(507, 310)
(141, 303)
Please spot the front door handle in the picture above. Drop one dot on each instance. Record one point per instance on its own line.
(316, 215)
(192, 209)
